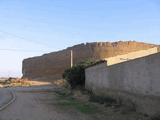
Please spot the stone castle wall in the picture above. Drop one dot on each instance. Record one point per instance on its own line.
(52, 65)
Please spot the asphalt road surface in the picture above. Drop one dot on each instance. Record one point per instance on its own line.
(29, 106)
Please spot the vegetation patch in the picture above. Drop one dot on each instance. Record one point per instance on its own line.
(67, 101)
(14, 82)
(103, 100)
(75, 76)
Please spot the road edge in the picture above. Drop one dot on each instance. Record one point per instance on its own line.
(9, 102)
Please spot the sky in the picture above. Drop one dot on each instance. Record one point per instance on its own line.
(34, 27)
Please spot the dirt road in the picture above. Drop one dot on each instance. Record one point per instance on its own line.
(30, 106)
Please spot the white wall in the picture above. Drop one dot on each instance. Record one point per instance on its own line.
(139, 77)
(130, 56)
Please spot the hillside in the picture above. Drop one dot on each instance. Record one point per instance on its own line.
(51, 66)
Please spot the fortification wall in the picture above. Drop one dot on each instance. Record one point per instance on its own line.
(52, 65)
(136, 80)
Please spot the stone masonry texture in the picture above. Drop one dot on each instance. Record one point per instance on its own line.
(52, 65)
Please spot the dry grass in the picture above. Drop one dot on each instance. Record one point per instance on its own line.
(15, 83)
(96, 107)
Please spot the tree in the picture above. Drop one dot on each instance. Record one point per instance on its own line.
(76, 75)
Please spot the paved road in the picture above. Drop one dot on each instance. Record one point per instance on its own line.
(29, 106)
(5, 96)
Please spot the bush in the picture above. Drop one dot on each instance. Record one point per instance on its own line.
(109, 101)
(76, 75)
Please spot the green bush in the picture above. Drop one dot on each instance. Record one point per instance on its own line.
(76, 75)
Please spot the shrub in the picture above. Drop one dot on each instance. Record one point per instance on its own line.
(76, 75)
(109, 101)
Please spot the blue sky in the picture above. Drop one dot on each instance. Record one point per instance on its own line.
(40, 26)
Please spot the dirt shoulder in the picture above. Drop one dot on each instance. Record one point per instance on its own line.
(77, 102)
